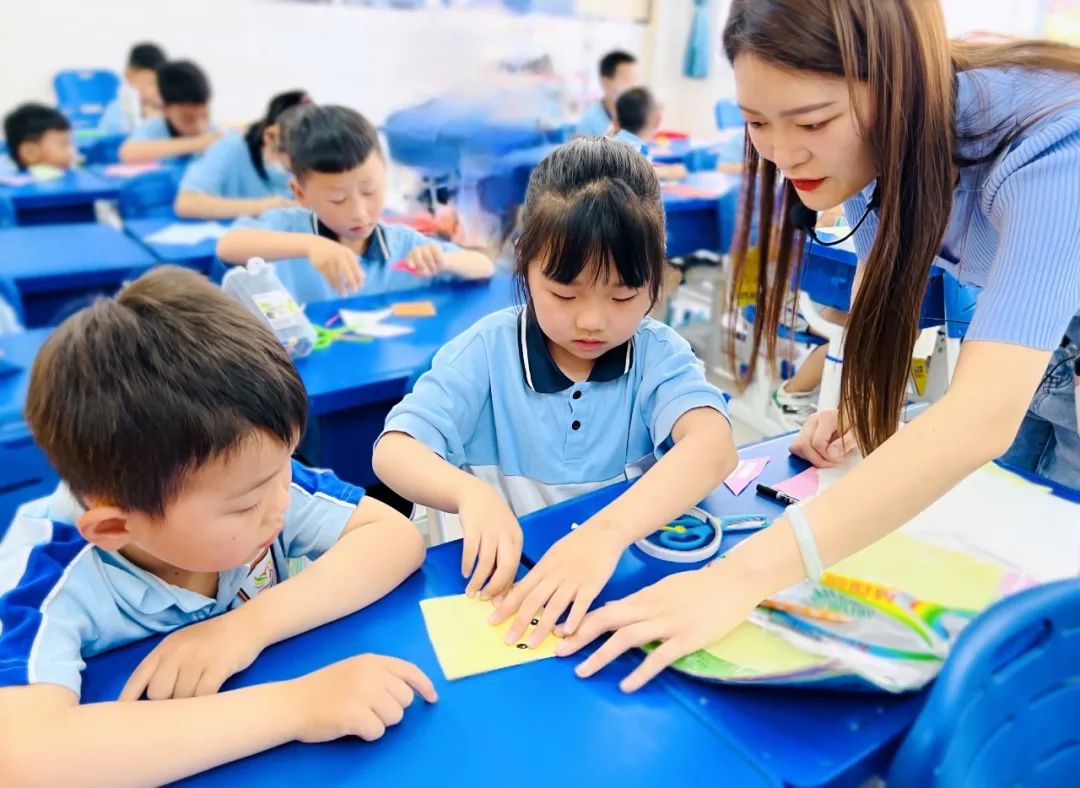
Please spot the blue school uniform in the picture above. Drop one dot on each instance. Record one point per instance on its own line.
(633, 140)
(496, 404)
(63, 600)
(389, 244)
(227, 169)
(595, 122)
(1013, 231)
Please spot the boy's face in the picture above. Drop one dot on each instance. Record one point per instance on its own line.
(626, 76)
(349, 203)
(227, 512)
(54, 149)
(189, 120)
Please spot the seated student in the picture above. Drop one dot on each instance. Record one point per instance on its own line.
(335, 244)
(241, 174)
(37, 136)
(618, 71)
(574, 391)
(138, 98)
(183, 129)
(637, 118)
(171, 412)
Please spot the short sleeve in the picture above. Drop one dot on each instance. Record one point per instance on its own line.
(206, 174)
(673, 383)
(320, 505)
(150, 129)
(1033, 195)
(445, 405)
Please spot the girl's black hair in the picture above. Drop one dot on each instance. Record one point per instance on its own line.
(254, 135)
(591, 203)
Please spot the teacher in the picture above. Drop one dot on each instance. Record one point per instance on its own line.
(961, 155)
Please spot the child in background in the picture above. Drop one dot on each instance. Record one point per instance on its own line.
(138, 98)
(183, 129)
(574, 391)
(170, 413)
(637, 119)
(618, 72)
(335, 244)
(39, 137)
(241, 174)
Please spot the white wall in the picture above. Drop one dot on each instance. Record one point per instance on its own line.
(376, 60)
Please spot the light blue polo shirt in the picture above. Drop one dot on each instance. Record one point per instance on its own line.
(595, 122)
(495, 404)
(112, 120)
(633, 140)
(1014, 230)
(389, 244)
(226, 169)
(157, 128)
(63, 600)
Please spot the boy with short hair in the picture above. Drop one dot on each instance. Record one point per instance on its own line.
(170, 412)
(138, 98)
(183, 129)
(336, 242)
(618, 72)
(637, 119)
(37, 136)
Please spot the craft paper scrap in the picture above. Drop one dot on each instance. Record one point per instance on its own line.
(758, 650)
(800, 486)
(187, 233)
(413, 309)
(745, 472)
(130, 170)
(369, 323)
(466, 644)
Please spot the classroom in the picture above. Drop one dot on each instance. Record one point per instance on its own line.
(532, 392)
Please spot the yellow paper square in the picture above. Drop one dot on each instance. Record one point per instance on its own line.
(413, 309)
(466, 644)
(761, 651)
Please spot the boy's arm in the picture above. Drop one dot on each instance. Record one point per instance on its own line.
(136, 150)
(378, 548)
(197, 205)
(240, 244)
(149, 743)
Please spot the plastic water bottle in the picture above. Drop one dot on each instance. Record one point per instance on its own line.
(257, 287)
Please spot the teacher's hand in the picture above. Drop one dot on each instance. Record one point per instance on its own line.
(819, 443)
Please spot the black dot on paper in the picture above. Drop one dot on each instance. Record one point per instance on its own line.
(522, 645)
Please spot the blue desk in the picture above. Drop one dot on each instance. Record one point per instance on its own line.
(802, 737)
(54, 265)
(702, 221)
(69, 198)
(524, 726)
(198, 256)
(352, 386)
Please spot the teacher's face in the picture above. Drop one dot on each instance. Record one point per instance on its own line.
(805, 124)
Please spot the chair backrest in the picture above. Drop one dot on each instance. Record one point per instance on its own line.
(10, 295)
(82, 94)
(25, 474)
(150, 194)
(1006, 708)
(728, 114)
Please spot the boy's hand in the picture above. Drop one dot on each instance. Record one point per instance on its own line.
(361, 696)
(570, 575)
(492, 541)
(197, 659)
(427, 260)
(338, 265)
(274, 201)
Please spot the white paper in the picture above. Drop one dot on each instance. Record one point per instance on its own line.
(369, 323)
(382, 331)
(187, 233)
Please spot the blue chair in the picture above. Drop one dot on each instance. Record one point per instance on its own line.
(83, 94)
(1006, 708)
(150, 195)
(728, 114)
(9, 293)
(25, 474)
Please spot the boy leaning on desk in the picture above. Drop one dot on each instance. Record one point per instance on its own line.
(171, 413)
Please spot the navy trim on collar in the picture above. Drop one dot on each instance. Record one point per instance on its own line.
(541, 372)
(377, 243)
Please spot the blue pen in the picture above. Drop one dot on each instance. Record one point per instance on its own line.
(736, 523)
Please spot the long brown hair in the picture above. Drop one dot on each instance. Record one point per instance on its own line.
(899, 49)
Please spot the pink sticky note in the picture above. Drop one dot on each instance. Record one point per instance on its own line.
(800, 486)
(130, 170)
(745, 472)
(404, 265)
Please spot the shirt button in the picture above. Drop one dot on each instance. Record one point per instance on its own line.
(576, 425)
(577, 395)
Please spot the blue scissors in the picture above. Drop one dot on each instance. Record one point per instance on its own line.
(686, 533)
